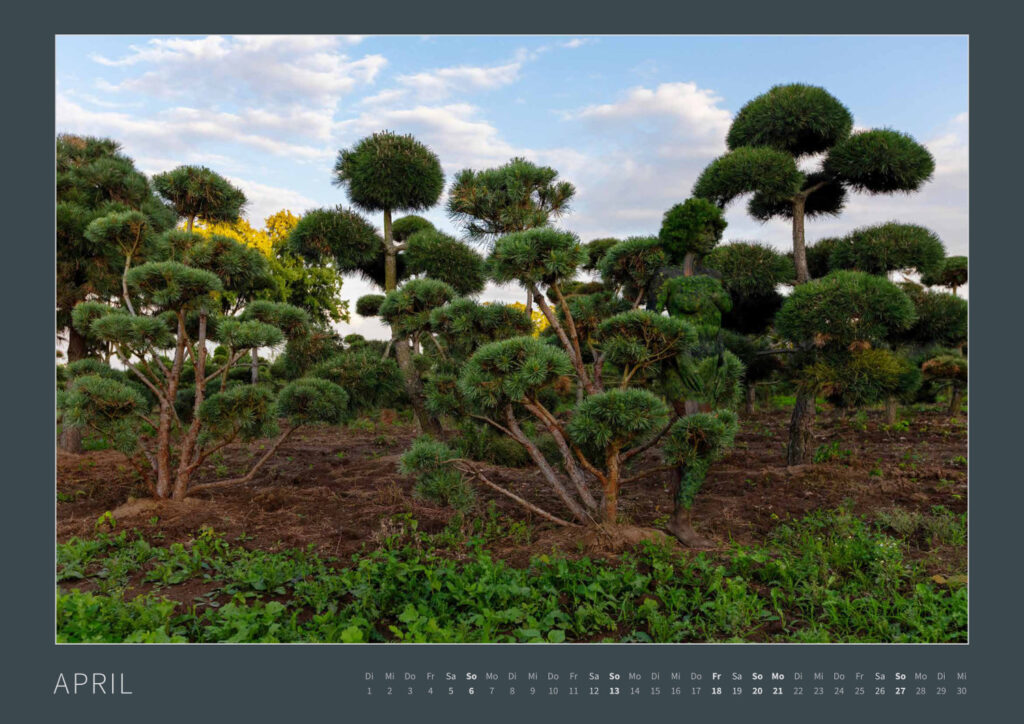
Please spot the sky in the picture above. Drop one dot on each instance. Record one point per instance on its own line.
(629, 120)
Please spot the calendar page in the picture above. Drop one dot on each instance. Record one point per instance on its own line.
(591, 370)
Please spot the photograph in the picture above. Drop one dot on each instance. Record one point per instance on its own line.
(505, 339)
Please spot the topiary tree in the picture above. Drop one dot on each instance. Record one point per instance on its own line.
(948, 370)
(632, 267)
(167, 436)
(438, 256)
(196, 192)
(751, 273)
(691, 230)
(387, 172)
(828, 320)
(952, 274)
(95, 181)
(595, 251)
(941, 319)
(591, 394)
(889, 247)
(514, 197)
(790, 122)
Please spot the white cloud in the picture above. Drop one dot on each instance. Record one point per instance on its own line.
(577, 42)
(264, 200)
(283, 69)
(439, 83)
(181, 128)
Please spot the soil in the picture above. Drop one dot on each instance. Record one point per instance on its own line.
(340, 490)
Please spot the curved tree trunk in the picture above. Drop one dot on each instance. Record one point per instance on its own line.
(800, 426)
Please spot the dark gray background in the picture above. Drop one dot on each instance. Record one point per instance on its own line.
(257, 683)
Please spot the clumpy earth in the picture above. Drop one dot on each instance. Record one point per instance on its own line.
(340, 490)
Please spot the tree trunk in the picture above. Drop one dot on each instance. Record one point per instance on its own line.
(689, 263)
(750, 404)
(955, 397)
(255, 367)
(681, 524)
(529, 303)
(414, 388)
(71, 435)
(890, 410)
(611, 489)
(799, 249)
(800, 429)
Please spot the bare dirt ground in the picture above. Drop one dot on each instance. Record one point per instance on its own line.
(340, 489)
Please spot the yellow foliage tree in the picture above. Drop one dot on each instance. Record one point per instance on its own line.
(314, 289)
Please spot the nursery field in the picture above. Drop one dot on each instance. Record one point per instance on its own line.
(330, 543)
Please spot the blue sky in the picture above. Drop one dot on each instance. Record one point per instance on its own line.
(630, 120)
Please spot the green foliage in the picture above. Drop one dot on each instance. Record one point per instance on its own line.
(827, 199)
(844, 307)
(509, 370)
(243, 270)
(698, 299)
(481, 442)
(888, 247)
(830, 576)
(633, 264)
(243, 410)
(436, 481)
(464, 324)
(796, 118)
(408, 308)
(617, 419)
(108, 405)
(95, 181)
(536, 256)
(949, 368)
(640, 338)
(589, 311)
(344, 236)
(514, 197)
(750, 269)
(405, 227)
(439, 256)
(951, 273)
(140, 333)
(291, 320)
(862, 378)
(369, 305)
(714, 380)
(198, 192)
(238, 334)
(881, 161)
(694, 442)
(171, 284)
(596, 250)
(387, 171)
(772, 174)
(696, 226)
(819, 256)
(372, 382)
(941, 318)
(310, 401)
